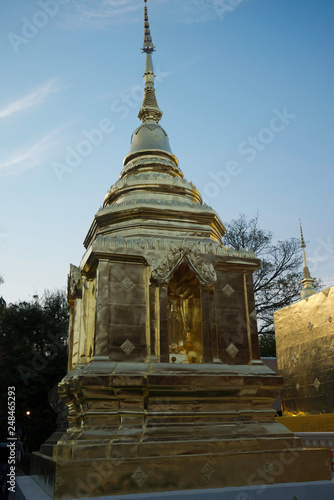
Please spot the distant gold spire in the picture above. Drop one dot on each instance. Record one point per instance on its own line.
(308, 288)
(149, 110)
(301, 235)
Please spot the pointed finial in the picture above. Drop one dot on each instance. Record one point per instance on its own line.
(308, 287)
(149, 110)
(148, 46)
(302, 245)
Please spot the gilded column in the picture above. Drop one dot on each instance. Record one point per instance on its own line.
(102, 308)
(163, 307)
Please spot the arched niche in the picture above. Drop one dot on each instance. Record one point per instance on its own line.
(184, 316)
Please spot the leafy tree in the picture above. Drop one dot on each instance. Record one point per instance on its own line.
(277, 283)
(33, 358)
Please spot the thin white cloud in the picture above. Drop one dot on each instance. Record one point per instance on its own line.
(34, 98)
(110, 8)
(99, 14)
(34, 155)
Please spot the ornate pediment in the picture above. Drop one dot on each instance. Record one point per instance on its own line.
(75, 282)
(161, 272)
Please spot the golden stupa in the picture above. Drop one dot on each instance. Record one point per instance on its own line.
(305, 352)
(165, 388)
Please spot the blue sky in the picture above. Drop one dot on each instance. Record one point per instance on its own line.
(246, 88)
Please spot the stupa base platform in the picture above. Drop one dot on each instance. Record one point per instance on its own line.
(89, 478)
(145, 428)
(27, 489)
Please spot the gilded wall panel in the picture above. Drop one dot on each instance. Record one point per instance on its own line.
(305, 353)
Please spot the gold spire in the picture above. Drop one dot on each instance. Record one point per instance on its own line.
(149, 109)
(148, 46)
(308, 288)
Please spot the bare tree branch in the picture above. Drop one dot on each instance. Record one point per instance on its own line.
(277, 283)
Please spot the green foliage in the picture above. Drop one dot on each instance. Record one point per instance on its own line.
(33, 357)
(267, 345)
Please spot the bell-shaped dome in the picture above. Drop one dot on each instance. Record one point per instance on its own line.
(149, 138)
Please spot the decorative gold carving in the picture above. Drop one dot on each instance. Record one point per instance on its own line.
(295, 357)
(242, 253)
(232, 350)
(74, 282)
(269, 468)
(330, 319)
(156, 181)
(310, 325)
(159, 203)
(207, 471)
(156, 163)
(59, 482)
(127, 284)
(316, 383)
(253, 314)
(139, 476)
(151, 176)
(228, 290)
(205, 273)
(162, 272)
(106, 242)
(331, 348)
(99, 305)
(127, 347)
